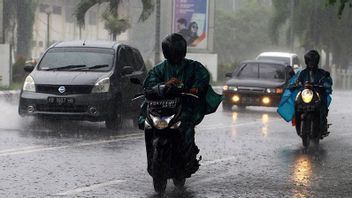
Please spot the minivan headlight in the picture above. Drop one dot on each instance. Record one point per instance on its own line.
(102, 86)
(307, 95)
(29, 84)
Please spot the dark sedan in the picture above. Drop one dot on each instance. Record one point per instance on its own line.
(256, 83)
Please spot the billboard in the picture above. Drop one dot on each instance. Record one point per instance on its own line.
(191, 21)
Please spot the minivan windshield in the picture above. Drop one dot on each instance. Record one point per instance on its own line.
(265, 71)
(285, 60)
(77, 59)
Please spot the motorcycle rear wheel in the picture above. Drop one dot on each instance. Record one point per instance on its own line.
(305, 141)
(159, 184)
(316, 140)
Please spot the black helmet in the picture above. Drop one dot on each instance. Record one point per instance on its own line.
(311, 59)
(174, 48)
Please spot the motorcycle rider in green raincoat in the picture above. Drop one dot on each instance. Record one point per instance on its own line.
(191, 75)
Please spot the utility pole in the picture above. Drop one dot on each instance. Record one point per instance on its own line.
(292, 26)
(2, 32)
(157, 33)
(48, 28)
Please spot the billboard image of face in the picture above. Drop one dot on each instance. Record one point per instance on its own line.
(191, 21)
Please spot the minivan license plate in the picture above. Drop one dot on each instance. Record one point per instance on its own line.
(60, 100)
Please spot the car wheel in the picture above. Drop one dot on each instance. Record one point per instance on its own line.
(226, 106)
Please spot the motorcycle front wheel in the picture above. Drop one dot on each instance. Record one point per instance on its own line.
(159, 184)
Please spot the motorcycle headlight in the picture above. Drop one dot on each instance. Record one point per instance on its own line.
(307, 95)
(102, 86)
(29, 84)
(161, 123)
(176, 125)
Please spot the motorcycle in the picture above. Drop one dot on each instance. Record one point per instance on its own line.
(163, 134)
(308, 108)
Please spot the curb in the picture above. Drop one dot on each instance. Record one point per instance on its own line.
(10, 95)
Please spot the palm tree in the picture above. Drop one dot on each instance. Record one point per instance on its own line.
(18, 18)
(113, 23)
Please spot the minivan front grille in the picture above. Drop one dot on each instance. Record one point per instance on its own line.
(69, 89)
(62, 108)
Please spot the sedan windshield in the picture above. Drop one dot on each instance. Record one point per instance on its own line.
(76, 59)
(264, 71)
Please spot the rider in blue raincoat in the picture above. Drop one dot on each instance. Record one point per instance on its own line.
(312, 74)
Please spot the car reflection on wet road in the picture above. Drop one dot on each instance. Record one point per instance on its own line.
(246, 153)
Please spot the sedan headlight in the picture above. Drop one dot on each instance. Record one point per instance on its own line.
(274, 90)
(161, 123)
(102, 86)
(270, 90)
(307, 95)
(230, 88)
(29, 84)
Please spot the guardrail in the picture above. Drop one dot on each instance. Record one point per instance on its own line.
(342, 78)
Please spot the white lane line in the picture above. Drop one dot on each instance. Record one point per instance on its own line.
(19, 149)
(133, 136)
(39, 149)
(113, 182)
(221, 126)
(89, 188)
(207, 163)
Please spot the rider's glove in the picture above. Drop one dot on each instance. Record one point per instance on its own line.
(194, 91)
(173, 82)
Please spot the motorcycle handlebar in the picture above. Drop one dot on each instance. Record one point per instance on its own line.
(164, 91)
(298, 85)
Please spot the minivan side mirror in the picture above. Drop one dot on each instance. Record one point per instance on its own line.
(28, 67)
(126, 70)
(229, 75)
(295, 66)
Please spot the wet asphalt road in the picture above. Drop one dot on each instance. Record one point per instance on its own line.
(250, 153)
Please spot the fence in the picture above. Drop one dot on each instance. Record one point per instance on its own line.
(342, 78)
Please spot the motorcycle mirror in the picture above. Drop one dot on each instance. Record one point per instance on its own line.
(136, 81)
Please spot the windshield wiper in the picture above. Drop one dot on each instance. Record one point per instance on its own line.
(98, 66)
(66, 67)
(92, 67)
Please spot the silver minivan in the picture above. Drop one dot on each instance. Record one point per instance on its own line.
(288, 58)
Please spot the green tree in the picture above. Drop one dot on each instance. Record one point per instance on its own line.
(113, 23)
(242, 34)
(315, 25)
(342, 5)
(20, 14)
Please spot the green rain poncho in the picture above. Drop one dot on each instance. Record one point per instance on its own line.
(193, 75)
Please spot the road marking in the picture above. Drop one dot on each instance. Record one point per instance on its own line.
(207, 163)
(89, 188)
(113, 182)
(24, 150)
(133, 136)
(12, 150)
